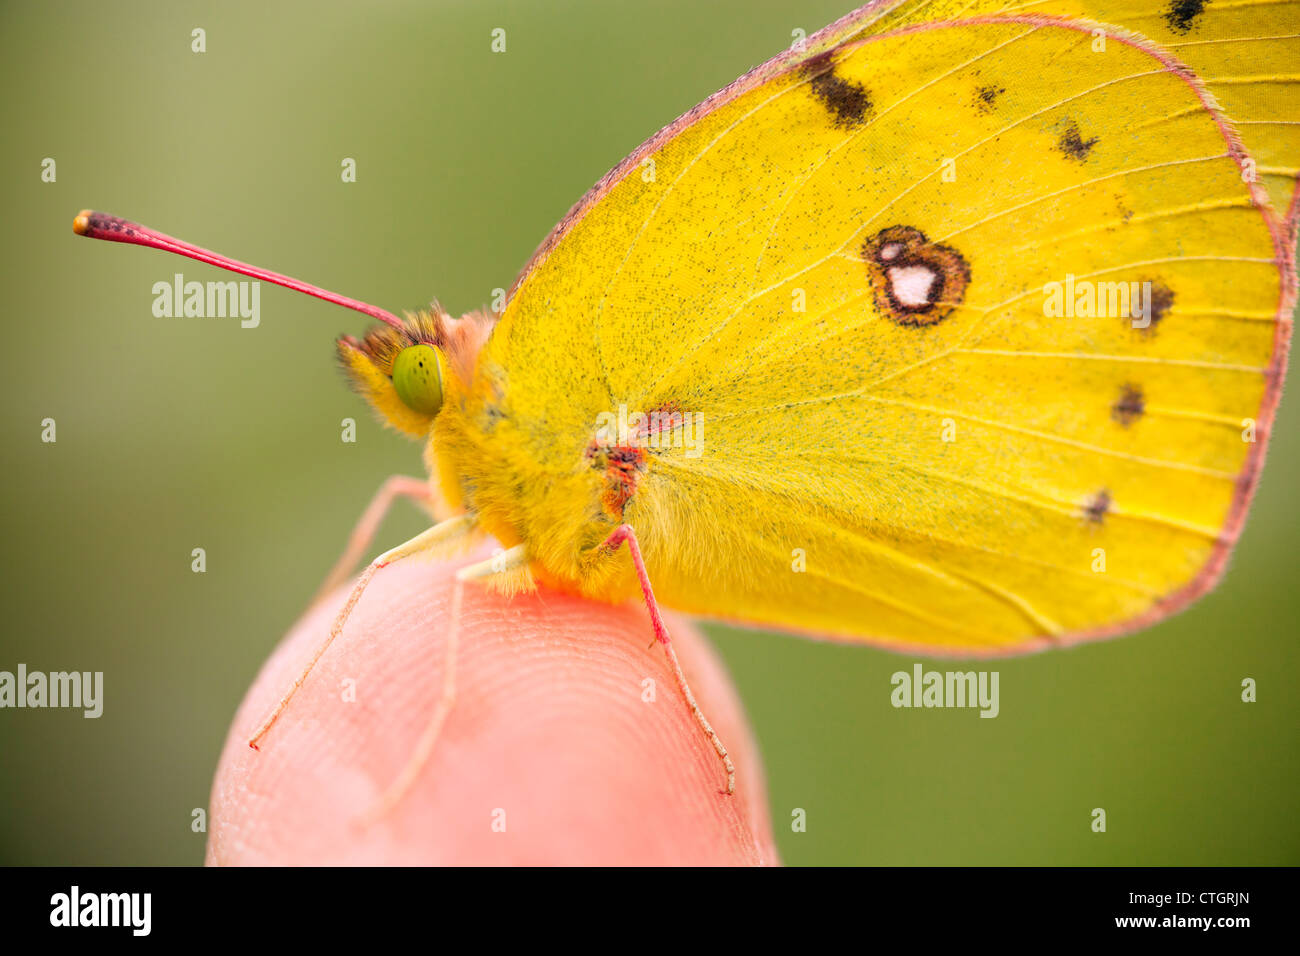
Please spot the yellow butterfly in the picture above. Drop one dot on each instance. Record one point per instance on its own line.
(957, 328)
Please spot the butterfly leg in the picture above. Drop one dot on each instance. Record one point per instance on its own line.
(624, 534)
(441, 535)
(397, 486)
(505, 562)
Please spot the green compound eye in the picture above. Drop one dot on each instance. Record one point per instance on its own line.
(417, 376)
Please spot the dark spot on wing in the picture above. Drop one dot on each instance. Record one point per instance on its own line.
(1181, 14)
(915, 281)
(848, 102)
(986, 96)
(1073, 144)
(1097, 507)
(1130, 405)
(1162, 300)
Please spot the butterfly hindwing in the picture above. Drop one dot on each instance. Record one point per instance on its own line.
(845, 269)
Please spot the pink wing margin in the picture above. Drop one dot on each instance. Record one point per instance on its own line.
(1283, 232)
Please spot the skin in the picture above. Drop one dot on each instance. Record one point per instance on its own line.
(549, 725)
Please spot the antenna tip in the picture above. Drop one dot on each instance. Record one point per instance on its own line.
(81, 225)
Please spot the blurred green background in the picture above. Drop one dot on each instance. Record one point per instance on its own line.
(174, 434)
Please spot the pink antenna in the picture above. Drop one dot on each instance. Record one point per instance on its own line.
(100, 225)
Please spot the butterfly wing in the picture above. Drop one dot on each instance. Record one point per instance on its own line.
(1245, 53)
(843, 266)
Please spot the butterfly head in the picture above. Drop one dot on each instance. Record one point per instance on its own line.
(407, 373)
(401, 372)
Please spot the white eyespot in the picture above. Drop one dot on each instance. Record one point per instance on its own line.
(911, 285)
(890, 250)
